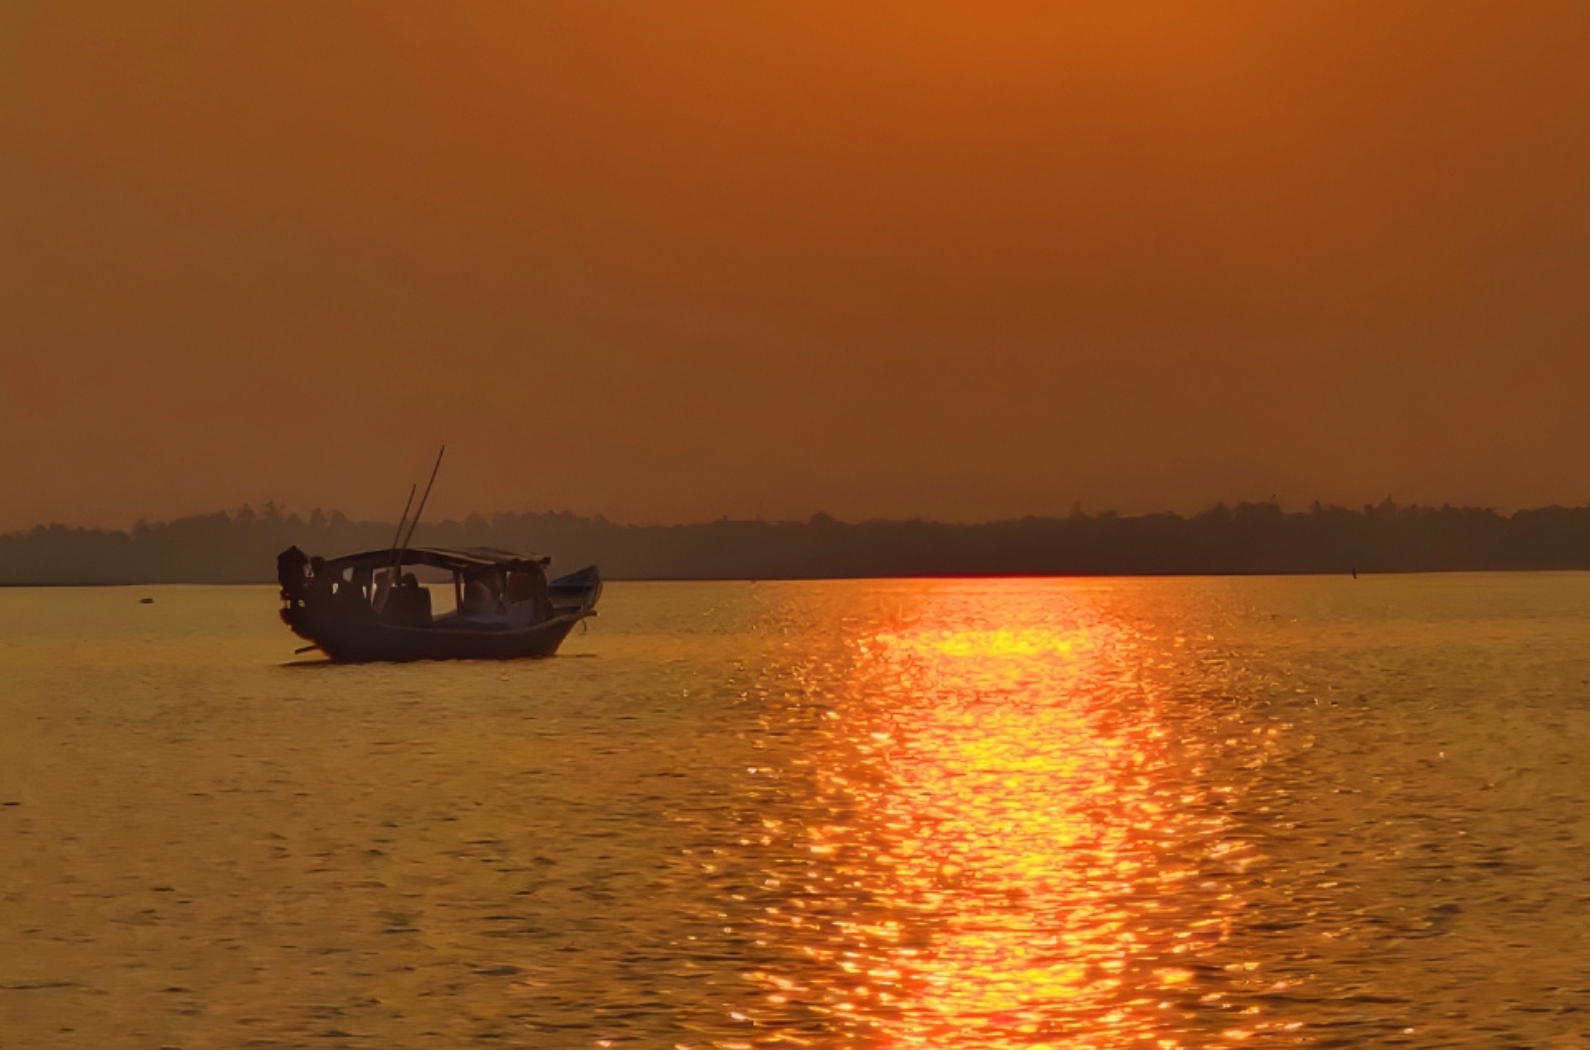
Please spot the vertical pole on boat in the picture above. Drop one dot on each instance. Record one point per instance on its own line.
(421, 508)
(415, 487)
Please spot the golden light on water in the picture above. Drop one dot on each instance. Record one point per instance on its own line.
(869, 815)
(1015, 860)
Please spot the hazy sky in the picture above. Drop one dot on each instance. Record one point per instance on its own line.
(672, 261)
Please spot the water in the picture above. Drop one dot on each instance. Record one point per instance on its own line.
(877, 814)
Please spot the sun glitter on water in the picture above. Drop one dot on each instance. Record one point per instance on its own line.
(1015, 846)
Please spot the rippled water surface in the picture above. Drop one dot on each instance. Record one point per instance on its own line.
(878, 814)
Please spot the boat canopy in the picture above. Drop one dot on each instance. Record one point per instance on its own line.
(467, 560)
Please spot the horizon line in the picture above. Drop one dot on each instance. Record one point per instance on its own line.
(271, 510)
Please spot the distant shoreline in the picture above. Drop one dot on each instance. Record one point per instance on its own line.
(130, 584)
(1245, 540)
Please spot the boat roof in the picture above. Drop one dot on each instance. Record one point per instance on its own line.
(462, 559)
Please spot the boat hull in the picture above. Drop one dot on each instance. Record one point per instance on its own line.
(355, 641)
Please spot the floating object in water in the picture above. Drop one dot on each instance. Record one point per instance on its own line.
(146, 601)
(364, 607)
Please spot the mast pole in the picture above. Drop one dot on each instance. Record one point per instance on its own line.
(421, 508)
(413, 488)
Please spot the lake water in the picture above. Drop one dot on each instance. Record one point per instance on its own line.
(1311, 812)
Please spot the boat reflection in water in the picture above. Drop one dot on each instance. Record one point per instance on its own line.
(1021, 852)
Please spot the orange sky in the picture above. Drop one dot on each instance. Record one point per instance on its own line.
(671, 261)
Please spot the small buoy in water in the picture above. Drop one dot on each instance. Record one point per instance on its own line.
(146, 601)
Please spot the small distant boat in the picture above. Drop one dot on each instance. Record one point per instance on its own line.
(371, 606)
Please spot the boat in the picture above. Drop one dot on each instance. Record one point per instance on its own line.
(372, 606)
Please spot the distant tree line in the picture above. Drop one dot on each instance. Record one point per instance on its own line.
(1249, 538)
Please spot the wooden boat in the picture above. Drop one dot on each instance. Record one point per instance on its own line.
(371, 605)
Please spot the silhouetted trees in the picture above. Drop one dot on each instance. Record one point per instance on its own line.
(1247, 538)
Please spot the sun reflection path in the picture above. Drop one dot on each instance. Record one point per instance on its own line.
(1020, 864)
